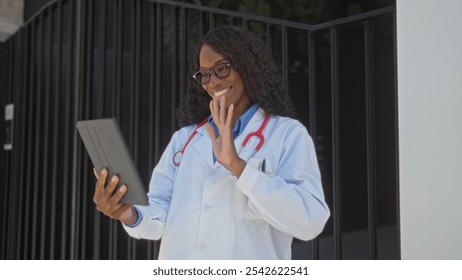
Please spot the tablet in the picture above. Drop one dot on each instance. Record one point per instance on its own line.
(106, 147)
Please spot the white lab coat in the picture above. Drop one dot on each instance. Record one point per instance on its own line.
(201, 211)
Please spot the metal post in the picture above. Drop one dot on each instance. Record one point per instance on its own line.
(396, 125)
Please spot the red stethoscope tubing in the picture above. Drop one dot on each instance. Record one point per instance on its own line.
(178, 155)
(259, 133)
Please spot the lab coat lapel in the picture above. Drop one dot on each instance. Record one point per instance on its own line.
(204, 146)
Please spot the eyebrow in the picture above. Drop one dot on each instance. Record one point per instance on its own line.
(224, 60)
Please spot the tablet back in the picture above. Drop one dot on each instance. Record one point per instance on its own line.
(106, 147)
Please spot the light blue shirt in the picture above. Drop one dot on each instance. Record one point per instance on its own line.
(241, 122)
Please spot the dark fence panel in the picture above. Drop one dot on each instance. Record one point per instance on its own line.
(128, 59)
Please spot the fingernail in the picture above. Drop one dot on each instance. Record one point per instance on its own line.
(104, 172)
(122, 188)
(114, 179)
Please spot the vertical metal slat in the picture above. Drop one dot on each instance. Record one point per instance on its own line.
(14, 93)
(100, 99)
(212, 20)
(46, 132)
(201, 24)
(118, 30)
(312, 112)
(9, 190)
(152, 103)
(183, 53)
(76, 155)
(116, 103)
(158, 94)
(336, 144)
(21, 117)
(28, 170)
(74, 8)
(137, 96)
(55, 141)
(396, 125)
(37, 142)
(269, 37)
(4, 230)
(285, 58)
(174, 70)
(370, 131)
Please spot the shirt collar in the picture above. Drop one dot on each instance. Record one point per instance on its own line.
(241, 122)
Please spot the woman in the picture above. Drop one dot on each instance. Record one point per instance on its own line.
(219, 200)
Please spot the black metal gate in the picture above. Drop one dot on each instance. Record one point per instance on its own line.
(87, 59)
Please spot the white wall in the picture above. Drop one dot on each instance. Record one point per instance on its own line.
(430, 127)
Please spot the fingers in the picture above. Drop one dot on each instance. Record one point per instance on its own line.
(104, 193)
(112, 206)
(216, 111)
(222, 110)
(109, 203)
(221, 115)
(115, 198)
(230, 115)
(211, 132)
(100, 185)
(212, 108)
(107, 199)
(96, 173)
(109, 189)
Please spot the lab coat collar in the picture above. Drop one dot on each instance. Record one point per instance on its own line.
(203, 145)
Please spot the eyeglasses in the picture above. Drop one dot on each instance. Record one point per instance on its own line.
(221, 71)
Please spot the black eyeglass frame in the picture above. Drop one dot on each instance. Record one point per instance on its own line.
(212, 70)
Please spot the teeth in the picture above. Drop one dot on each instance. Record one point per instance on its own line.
(221, 92)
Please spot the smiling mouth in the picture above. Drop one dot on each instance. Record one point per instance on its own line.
(221, 92)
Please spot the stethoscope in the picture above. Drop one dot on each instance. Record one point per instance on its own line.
(259, 134)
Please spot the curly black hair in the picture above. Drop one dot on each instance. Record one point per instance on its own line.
(255, 65)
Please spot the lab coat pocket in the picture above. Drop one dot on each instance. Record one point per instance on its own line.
(241, 206)
(262, 165)
(240, 200)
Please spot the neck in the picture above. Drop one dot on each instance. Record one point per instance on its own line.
(238, 112)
